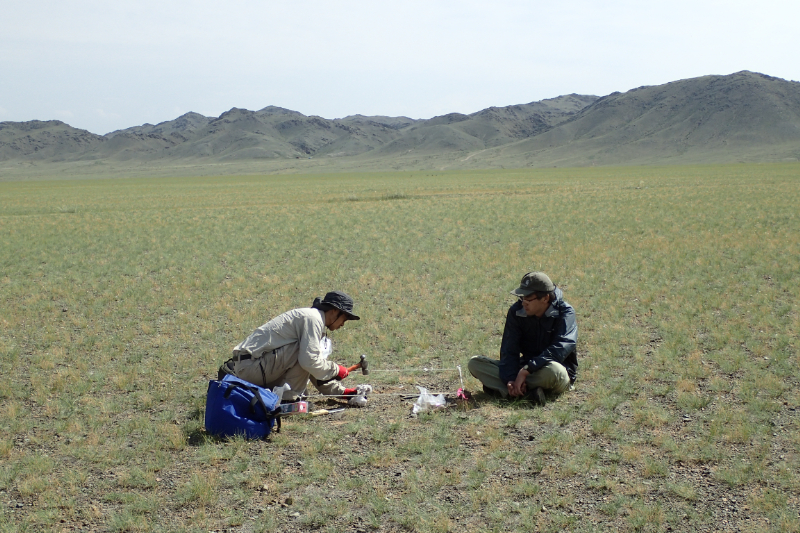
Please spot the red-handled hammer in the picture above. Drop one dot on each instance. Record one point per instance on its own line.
(361, 364)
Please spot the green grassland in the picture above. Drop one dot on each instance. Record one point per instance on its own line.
(120, 298)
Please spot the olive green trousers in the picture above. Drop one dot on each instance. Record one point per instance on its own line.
(553, 378)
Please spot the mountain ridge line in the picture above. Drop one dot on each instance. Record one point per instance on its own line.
(743, 116)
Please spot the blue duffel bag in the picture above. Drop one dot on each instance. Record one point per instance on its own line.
(236, 407)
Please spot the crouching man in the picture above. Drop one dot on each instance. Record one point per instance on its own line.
(289, 350)
(537, 354)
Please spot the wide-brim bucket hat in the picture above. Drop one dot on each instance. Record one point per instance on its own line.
(337, 300)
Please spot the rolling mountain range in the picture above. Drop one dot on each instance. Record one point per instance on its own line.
(741, 116)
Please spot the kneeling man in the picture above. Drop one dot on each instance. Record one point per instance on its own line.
(288, 350)
(537, 354)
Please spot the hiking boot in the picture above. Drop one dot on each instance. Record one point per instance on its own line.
(537, 396)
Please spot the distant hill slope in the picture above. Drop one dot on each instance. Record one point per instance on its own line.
(277, 133)
(742, 116)
(50, 140)
(490, 127)
(739, 117)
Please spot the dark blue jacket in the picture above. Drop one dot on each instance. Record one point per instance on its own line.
(538, 341)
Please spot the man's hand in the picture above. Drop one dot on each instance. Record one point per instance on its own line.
(343, 373)
(519, 387)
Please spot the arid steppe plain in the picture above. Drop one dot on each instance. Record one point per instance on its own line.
(120, 297)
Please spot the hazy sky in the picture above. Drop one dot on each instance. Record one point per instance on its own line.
(105, 65)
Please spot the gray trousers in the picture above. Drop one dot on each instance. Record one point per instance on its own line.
(281, 367)
(553, 378)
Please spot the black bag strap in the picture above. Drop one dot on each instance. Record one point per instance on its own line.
(257, 399)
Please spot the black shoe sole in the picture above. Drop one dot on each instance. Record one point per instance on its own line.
(538, 397)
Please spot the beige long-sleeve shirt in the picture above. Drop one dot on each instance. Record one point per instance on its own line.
(294, 338)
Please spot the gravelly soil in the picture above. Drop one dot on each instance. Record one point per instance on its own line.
(613, 492)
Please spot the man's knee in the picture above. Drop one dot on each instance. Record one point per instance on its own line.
(483, 369)
(473, 364)
(562, 381)
(554, 378)
(560, 378)
(481, 364)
